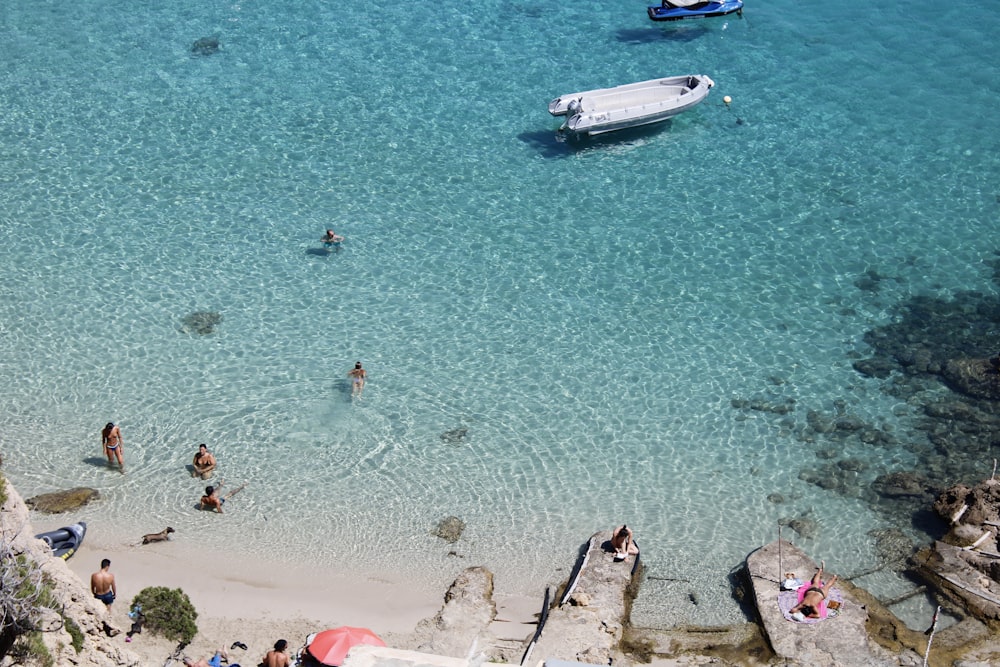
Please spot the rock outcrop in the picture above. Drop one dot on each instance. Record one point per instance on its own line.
(965, 564)
(97, 650)
(62, 501)
(833, 642)
(464, 620)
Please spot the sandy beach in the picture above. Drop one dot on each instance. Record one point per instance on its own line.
(238, 599)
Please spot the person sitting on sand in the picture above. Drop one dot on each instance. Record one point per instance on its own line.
(814, 597)
(622, 542)
(215, 661)
(204, 462)
(277, 657)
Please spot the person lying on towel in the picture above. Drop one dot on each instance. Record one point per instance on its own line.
(814, 598)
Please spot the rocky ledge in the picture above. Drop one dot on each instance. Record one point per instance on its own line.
(76, 602)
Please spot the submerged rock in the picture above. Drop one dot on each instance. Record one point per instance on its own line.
(455, 436)
(449, 529)
(978, 378)
(904, 483)
(62, 501)
(201, 322)
(205, 46)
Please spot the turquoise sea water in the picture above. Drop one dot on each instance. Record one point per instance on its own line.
(588, 311)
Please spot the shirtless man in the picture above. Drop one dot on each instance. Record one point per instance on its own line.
(102, 584)
(211, 499)
(277, 657)
(814, 596)
(204, 462)
(358, 376)
(111, 439)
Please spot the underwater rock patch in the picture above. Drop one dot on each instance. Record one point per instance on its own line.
(805, 526)
(205, 46)
(892, 546)
(449, 529)
(454, 436)
(62, 501)
(201, 322)
(978, 378)
(777, 407)
(903, 483)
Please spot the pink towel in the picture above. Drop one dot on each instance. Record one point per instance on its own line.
(822, 604)
(788, 599)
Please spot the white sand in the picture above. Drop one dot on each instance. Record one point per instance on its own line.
(239, 599)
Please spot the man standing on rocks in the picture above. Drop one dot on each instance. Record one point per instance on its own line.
(102, 584)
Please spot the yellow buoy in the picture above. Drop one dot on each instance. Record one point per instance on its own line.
(728, 100)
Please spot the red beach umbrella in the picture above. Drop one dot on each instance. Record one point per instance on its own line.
(330, 647)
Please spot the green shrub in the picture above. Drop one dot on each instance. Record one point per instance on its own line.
(25, 592)
(168, 612)
(3, 490)
(75, 633)
(31, 650)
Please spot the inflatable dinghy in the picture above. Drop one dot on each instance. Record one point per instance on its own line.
(65, 541)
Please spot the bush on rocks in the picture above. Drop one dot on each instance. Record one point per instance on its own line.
(168, 612)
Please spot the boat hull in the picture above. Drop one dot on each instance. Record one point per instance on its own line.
(632, 105)
(560, 105)
(667, 12)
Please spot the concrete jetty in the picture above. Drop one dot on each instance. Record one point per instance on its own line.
(585, 624)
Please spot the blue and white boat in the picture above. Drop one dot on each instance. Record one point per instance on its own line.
(676, 10)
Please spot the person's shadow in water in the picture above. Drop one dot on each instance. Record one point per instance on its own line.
(345, 388)
(99, 462)
(319, 252)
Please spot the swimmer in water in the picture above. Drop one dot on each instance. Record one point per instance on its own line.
(358, 376)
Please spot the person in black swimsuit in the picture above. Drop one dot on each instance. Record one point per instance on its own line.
(814, 595)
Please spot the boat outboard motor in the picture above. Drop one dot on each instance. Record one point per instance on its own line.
(572, 109)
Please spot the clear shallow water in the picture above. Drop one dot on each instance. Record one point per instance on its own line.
(587, 311)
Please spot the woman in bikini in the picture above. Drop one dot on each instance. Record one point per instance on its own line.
(358, 376)
(622, 543)
(815, 595)
(111, 438)
(204, 463)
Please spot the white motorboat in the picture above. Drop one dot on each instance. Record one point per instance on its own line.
(631, 105)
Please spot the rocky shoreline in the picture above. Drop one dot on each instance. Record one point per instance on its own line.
(592, 624)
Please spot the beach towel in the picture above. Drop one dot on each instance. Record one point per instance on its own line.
(788, 599)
